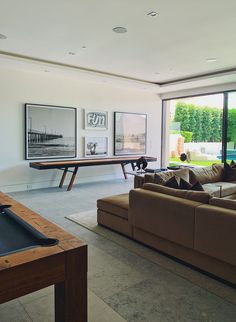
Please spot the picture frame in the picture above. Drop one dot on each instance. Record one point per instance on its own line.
(95, 120)
(130, 133)
(95, 147)
(50, 132)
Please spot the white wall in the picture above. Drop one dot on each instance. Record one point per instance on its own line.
(19, 87)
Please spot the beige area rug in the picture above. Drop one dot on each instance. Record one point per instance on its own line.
(88, 219)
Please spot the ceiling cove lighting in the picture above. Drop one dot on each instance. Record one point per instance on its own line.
(211, 60)
(3, 36)
(120, 30)
(152, 14)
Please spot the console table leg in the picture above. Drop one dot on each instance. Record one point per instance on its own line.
(71, 295)
(72, 179)
(123, 169)
(63, 178)
(133, 166)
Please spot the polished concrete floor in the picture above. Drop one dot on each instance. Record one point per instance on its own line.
(122, 285)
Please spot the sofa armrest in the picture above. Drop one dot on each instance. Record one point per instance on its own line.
(162, 215)
(215, 229)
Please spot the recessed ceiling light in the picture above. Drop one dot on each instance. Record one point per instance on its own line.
(71, 53)
(211, 60)
(152, 14)
(120, 30)
(3, 36)
(84, 47)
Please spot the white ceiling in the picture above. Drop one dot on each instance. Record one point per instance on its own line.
(176, 43)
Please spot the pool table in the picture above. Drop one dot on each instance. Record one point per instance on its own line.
(46, 255)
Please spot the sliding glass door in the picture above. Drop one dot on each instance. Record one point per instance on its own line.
(194, 130)
(231, 126)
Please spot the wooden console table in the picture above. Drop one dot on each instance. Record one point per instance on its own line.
(75, 164)
(64, 265)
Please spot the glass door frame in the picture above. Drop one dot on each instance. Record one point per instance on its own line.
(165, 127)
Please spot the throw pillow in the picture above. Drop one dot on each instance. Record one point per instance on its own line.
(232, 164)
(185, 185)
(229, 172)
(188, 186)
(172, 183)
(197, 187)
(161, 178)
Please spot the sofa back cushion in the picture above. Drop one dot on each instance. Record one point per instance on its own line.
(162, 177)
(224, 203)
(199, 196)
(209, 174)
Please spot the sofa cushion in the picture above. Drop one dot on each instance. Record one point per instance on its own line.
(161, 178)
(149, 177)
(229, 172)
(164, 216)
(224, 203)
(209, 174)
(199, 196)
(220, 189)
(117, 205)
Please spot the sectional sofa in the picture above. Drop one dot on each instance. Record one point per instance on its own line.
(197, 227)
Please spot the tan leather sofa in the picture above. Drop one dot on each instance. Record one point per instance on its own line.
(194, 226)
(196, 232)
(211, 178)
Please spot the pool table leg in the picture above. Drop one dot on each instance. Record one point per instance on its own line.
(71, 295)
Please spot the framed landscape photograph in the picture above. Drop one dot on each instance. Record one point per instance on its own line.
(130, 133)
(95, 146)
(95, 120)
(50, 132)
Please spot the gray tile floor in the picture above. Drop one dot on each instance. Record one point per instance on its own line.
(122, 285)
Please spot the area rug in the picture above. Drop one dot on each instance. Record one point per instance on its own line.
(88, 219)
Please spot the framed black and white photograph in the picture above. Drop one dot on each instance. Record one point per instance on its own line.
(95, 120)
(95, 146)
(50, 132)
(130, 133)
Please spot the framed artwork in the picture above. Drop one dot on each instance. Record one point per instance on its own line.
(95, 120)
(130, 133)
(50, 132)
(95, 146)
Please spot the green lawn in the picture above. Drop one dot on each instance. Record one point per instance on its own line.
(200, 163)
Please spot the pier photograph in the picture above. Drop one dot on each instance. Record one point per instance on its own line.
(50, 132)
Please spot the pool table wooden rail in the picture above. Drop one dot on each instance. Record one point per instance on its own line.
(64, 265)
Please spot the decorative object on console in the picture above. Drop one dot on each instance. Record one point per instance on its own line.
(141, 164)
(129, 133)
(95, 146)
(95, 120)
(50, 132)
